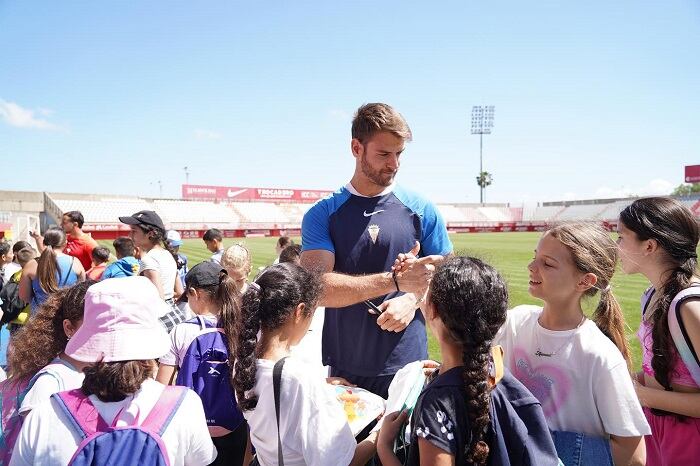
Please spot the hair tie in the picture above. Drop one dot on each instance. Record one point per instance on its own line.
(692, 255)
(255, 286)
(605, 290)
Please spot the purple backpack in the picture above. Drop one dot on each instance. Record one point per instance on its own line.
(205, 369)
(104, 444)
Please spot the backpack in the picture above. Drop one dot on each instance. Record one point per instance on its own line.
(681, 340)
(205, 369)
(12, 393)
(103, 444)
(11, 305)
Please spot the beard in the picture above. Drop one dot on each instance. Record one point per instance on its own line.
(378, 177)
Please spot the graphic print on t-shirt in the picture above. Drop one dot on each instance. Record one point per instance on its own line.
(550, 384)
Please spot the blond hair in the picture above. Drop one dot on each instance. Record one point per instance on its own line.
(594, 251)
(236, 257)
(373, 118)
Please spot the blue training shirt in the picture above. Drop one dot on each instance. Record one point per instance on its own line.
(366, 234)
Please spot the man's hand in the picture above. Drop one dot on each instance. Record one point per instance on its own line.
(414, 274)
(397, 313)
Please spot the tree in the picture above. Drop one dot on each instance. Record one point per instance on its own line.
(484, 179)
(686, 189)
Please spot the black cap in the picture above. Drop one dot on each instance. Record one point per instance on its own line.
(144, 217)
(202, 275)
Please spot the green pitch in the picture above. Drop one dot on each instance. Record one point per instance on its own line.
(508, 252)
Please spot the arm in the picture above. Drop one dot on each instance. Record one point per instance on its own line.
(39, 241)
(685, 403)
(365, 450)
(628, 451)
(154, 277)
(79, 270)
(343, 290)
(178, 289)
(429, 453)
(166, 374)
(25, 283)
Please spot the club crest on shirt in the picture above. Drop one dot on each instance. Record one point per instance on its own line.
(373, 231)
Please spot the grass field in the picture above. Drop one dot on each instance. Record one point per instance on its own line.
(508, 252)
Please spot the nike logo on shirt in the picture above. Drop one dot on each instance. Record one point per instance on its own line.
(372, 213)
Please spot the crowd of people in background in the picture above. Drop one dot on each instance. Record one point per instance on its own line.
(137, 356)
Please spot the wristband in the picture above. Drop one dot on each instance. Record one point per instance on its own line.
(396, 280)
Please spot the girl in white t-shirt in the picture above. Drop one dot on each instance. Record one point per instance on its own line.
(213, 296)
(157, 262)
(577, 367)
(40, 347)
(277, 310)
(118, 342)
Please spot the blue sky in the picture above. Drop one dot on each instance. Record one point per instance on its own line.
(593, 99)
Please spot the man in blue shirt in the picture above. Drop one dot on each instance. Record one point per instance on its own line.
(353, 238)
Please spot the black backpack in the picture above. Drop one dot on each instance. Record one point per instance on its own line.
(11, 305)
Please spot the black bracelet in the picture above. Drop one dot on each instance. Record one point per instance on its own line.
(396, 280)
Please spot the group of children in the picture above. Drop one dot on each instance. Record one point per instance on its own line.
(533, 385)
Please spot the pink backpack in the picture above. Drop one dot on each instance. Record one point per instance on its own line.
(12, 393)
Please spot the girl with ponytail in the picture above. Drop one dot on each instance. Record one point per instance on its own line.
(464, 414)
(578, 367)
(277, 309)
(202, 344)
(53, 270)
(658, 238)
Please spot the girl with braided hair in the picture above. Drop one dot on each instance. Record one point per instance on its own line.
(277, 309)
(465, 415)
(577, 367)
(658, 238)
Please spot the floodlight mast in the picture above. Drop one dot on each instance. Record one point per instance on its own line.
(482, 122)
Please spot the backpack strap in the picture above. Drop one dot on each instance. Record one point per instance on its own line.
(684, 346)
(646, 298)
(276, 385)
(165, 408)
(84, 417)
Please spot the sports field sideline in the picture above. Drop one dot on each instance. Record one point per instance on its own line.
(508, 252)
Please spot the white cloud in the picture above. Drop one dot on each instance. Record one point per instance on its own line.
(655, 187)
(206, 134)
(20, 117)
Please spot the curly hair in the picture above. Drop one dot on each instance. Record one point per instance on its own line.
(114, 381)
(267, 305)
(471, 300)
(675, 230)
(43, 337)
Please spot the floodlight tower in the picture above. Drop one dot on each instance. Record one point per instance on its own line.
(482, 122)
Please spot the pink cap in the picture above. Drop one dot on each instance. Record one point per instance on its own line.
(120, 323)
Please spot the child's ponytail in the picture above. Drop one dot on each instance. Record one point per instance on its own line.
(268, 303)
(471, 299)
(228, 302)
(246, 343)
(610, 320)
(47, 265)
(475, 374)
